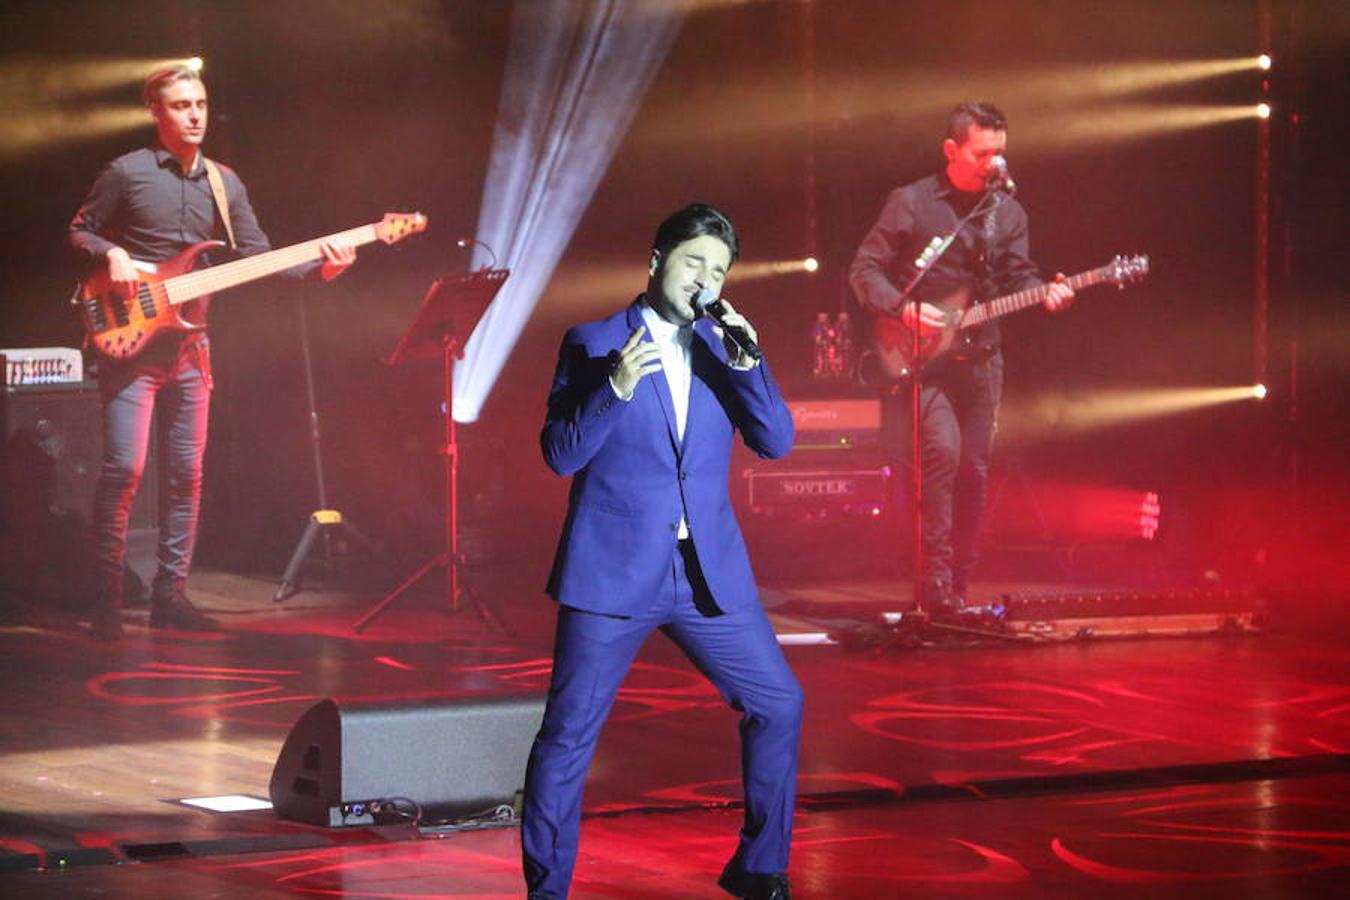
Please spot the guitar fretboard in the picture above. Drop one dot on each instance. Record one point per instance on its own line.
(1009, 303)
(196, 284)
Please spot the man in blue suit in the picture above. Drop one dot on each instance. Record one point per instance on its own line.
(642, 413)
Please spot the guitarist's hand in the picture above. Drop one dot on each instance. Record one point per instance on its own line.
(338, 257)
(1060, 296)
(930, 317)
(122, 273)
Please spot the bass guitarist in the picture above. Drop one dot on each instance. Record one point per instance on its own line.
(960, 392)
(149, 205)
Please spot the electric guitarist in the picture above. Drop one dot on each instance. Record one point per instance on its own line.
(960, 393)
(150, 205)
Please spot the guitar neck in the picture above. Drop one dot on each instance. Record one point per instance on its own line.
(196, 284)
(1010, 303)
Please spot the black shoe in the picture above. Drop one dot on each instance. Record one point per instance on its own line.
(754, 885)
(948, 609)
(174, 610)
(938, 600)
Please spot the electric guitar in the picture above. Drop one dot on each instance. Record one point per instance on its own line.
(120, 328)
(893, 355)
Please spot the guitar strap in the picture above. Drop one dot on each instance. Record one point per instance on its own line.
(222, 201)
(223, 207)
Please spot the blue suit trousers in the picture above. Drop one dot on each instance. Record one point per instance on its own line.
(737, 652)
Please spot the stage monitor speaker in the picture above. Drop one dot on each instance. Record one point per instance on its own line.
(49, 461)
(455, 759)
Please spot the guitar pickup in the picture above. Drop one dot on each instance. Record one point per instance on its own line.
(94, 311)
(119, 309)
(147, 302)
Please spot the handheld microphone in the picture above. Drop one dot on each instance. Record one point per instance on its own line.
(999, 179)
(715, 309)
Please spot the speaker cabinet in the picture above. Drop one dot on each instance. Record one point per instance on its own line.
(49, 460)
(455, 759)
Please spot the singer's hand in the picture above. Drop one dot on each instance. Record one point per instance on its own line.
(930, 317)
(1060, 296)
(735, 356)
(634, 360)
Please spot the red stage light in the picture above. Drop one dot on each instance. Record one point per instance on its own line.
(1081, 513)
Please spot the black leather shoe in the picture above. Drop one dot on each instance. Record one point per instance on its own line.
(754, 885)
(174, 610)
(939, 601)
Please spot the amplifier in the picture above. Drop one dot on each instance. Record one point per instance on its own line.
(836, 423)
(42, 365)
(819, 492)
(51, 444)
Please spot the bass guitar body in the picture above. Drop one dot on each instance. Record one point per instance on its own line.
(119, 327)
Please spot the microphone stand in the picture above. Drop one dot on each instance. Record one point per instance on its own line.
(922, 266)
(323, 520)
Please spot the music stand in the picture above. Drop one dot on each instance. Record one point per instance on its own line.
(448, 314)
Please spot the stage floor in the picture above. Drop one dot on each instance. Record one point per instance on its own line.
(1195, 767)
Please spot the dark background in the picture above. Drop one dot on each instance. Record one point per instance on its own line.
(797, 118)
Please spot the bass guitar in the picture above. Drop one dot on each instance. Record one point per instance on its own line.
(119, 327)
(893, 352)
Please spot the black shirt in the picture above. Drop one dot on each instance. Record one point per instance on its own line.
(928, 208)
(144, 203)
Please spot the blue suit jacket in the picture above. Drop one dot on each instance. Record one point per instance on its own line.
(632, 477)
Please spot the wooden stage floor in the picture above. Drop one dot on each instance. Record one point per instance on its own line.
(1183, 767)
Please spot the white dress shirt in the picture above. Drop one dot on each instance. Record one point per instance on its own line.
(673, 342)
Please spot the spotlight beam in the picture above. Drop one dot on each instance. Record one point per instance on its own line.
(755, 269)
(48, 102)
(30, 131)
(1067, 413)
(575, 76)
(33, 83)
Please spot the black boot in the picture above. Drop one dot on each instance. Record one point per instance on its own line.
(171, 608)
(941, 602)
(105, 623)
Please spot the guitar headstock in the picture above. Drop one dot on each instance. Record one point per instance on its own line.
(1122, 269)
(396, 226)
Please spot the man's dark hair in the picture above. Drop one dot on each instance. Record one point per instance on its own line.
(985, 115)
(159, 80)
(695, 220)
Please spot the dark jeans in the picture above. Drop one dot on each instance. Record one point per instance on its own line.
(958, 412)
(170, 378)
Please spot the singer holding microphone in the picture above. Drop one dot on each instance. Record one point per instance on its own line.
(642, 413)
(968, 208)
